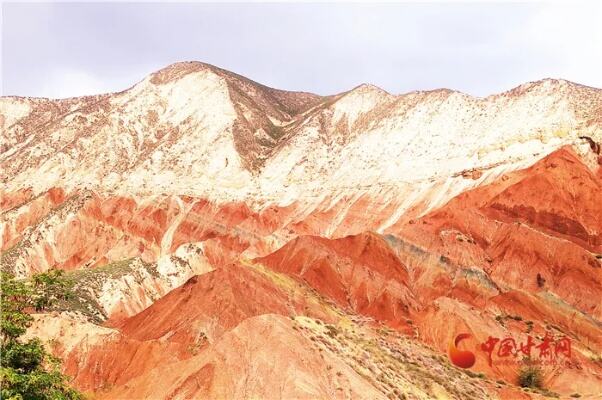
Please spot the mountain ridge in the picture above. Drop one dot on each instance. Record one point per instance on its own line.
(263, 121)
(248, 239)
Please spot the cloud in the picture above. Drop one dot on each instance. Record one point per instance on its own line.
(71, 83)
(66, 49)
(572, 36)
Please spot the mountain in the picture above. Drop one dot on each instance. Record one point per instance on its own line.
(275, 244)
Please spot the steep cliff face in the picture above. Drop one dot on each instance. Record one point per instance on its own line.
(273, 244)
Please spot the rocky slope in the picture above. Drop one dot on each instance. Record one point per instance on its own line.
(273, 244)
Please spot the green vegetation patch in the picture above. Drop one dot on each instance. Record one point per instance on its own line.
(84, 285)
(27, 371)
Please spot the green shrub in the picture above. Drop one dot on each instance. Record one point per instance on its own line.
(530, 377)
(331, 330)
(27, 371)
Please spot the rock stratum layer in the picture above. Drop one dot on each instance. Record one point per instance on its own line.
(229, 240)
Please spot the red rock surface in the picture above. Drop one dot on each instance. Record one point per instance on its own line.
(360, 273)
(212, 304)
(93, 230)
(201, 317)
(21, 210)
(525, 245)
(228, 240)
(263, 357)
(532, 239)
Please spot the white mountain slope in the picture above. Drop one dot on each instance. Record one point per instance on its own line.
(195, 129)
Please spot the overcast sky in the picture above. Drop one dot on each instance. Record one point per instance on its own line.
(69, 49)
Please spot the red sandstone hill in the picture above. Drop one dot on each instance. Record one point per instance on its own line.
(536, 229)
(471, 266)
(360, 273)
(229, 240)
(528, 243)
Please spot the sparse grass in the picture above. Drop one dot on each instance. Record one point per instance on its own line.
(501, 318)
(390, 361)
(85, 283)
(112, 270)
(470, 373)
(7, 257)
(296, 289)
(547, 393)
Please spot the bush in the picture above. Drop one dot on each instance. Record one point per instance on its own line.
(530, 377)
(27, 371)
(331, 331)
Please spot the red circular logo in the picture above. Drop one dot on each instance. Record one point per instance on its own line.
(461, 358)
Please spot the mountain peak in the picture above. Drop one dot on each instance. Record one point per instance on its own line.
(546, 86)
(368, 88)
(195, 121)
(177, 70)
